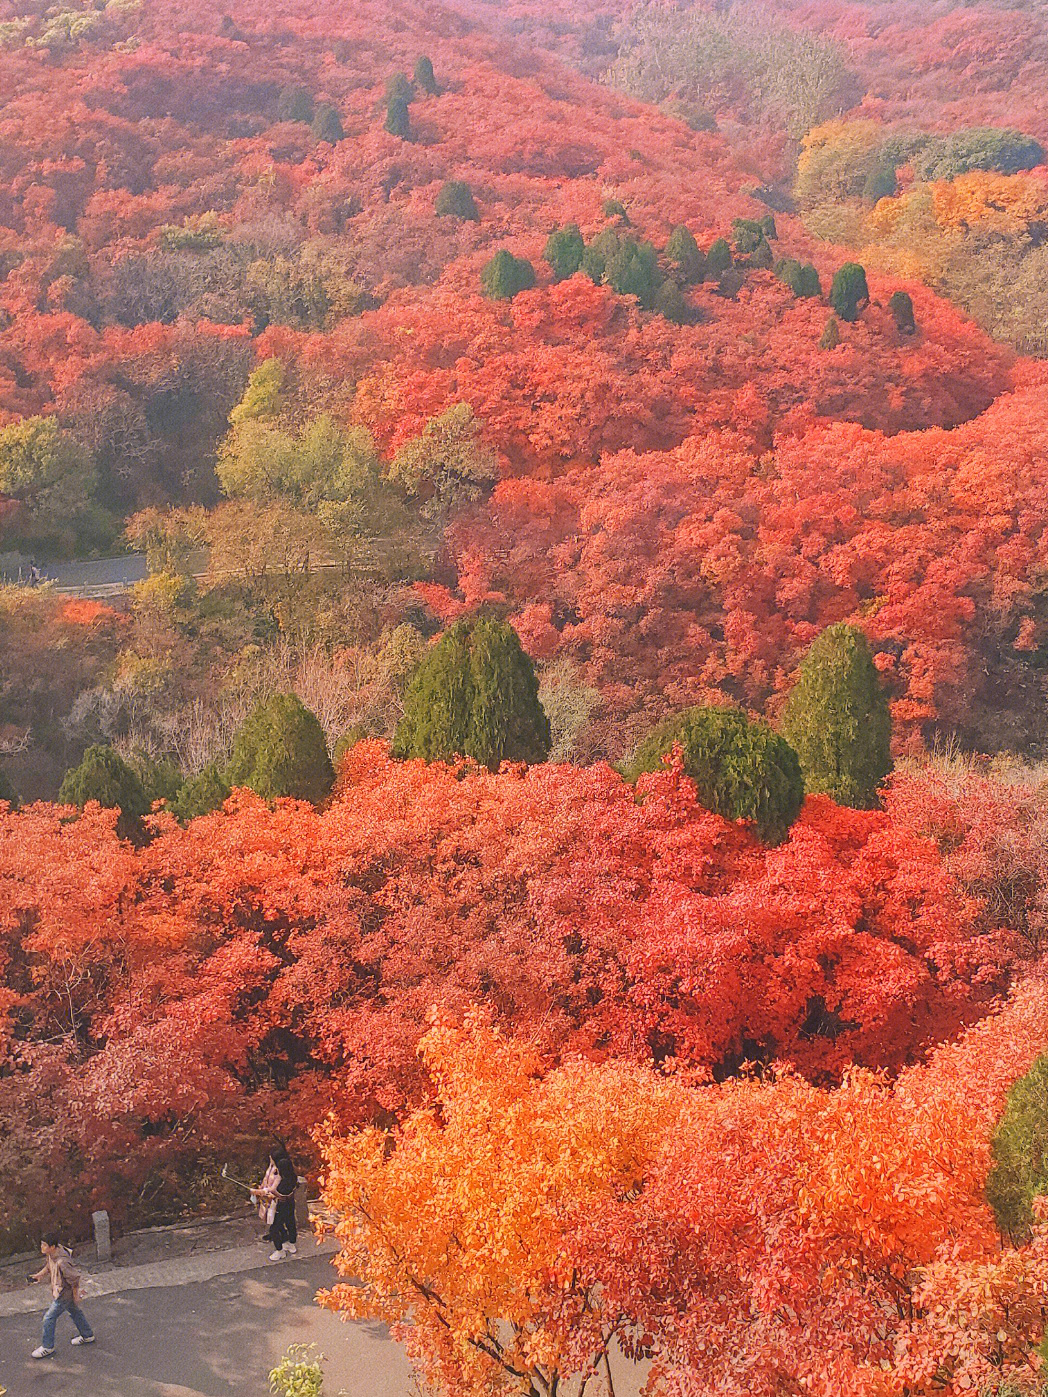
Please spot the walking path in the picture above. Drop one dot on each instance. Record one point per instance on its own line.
(182, 1270)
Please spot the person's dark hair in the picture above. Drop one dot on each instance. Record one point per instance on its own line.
(278, 1153)
(50, 1239)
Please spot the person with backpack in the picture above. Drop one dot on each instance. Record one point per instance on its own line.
(65, 1295)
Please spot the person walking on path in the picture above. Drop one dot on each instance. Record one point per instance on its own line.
(65, 1296)
(283, 1231)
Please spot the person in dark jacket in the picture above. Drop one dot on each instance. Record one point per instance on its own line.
(283, 1232)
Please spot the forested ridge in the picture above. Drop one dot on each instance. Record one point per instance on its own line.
(574, 763)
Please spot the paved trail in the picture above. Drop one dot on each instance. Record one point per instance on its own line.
(214, 1338)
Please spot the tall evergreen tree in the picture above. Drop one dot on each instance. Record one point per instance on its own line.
(505, 275)
(103, 775)
(901, 307)
(295, 104)
(742, 769)
(280, 751)
(425, 78)
(475, 694)
(849, 293)
(201, 794)
(398, 118)
(719, 258)
(564, 251)
(837, 719)
(683, 250)
(327, 124)
(455, 200)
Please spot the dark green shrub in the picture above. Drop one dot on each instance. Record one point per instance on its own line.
(809, 283)
(634, 271)
(455, 200)
(671, 303)
(881, 183)
(742, 769)
(505, 275)
(599, 253)
(103, 775)
(747, 235)
(831, 336)
(719, 257)
(327, 124)
(474, 695)
(280, 751)
(837, 720)
(980, 148)
(295, 104)
(901, 307)
(768, 227)
(684, 251)
(399, 88)
(425, 78)
(160, 780)
(398, 118)
(762, 255)
(614, 209)
(1020, 1153)
(564, 251)
(849, 293)
(201, 794)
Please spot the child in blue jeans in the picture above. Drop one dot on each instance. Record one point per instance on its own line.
(65, 1295)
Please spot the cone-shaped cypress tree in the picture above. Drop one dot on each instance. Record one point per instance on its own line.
(455, 200)
(295, 104)
(849, 292)
(837, 719)
(280, 751)
(505, 275)
(718, 259)
(685, 252)
(425, 78)
(398, 118)
(831, 336)
(743, 770)
(1020, 1153)
(901, 307)
(564, 251)
(201, 794)
(474, 695)
(103, 775)
(327, 124)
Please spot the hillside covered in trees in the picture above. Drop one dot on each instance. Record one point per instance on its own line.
(574, 762)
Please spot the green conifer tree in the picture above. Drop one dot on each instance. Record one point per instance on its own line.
(327, 124)
(671, 303)
(831, 336)
(398, 118)
(719, 258)
(475, 694)
(425, 78)
(837, 719)
(1020, 1153)
(742, 769)
(684, 251)
(103, 775)
(505, 275)
(849, 293)
(280, 751)
(564, 251)
(901, 307)
(455, 200)
(201, 794)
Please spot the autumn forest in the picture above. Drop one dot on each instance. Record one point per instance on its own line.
(568, 747)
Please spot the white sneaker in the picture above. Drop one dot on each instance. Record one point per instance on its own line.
(42, 1352)
(276, 1255)
(79, 1339)
(290, 1247)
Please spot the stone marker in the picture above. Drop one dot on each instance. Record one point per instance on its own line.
(103, 1242)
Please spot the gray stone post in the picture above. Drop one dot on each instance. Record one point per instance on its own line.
(103, 1241)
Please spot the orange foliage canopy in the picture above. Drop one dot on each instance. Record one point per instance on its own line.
(752, 1238)
(287, 958)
